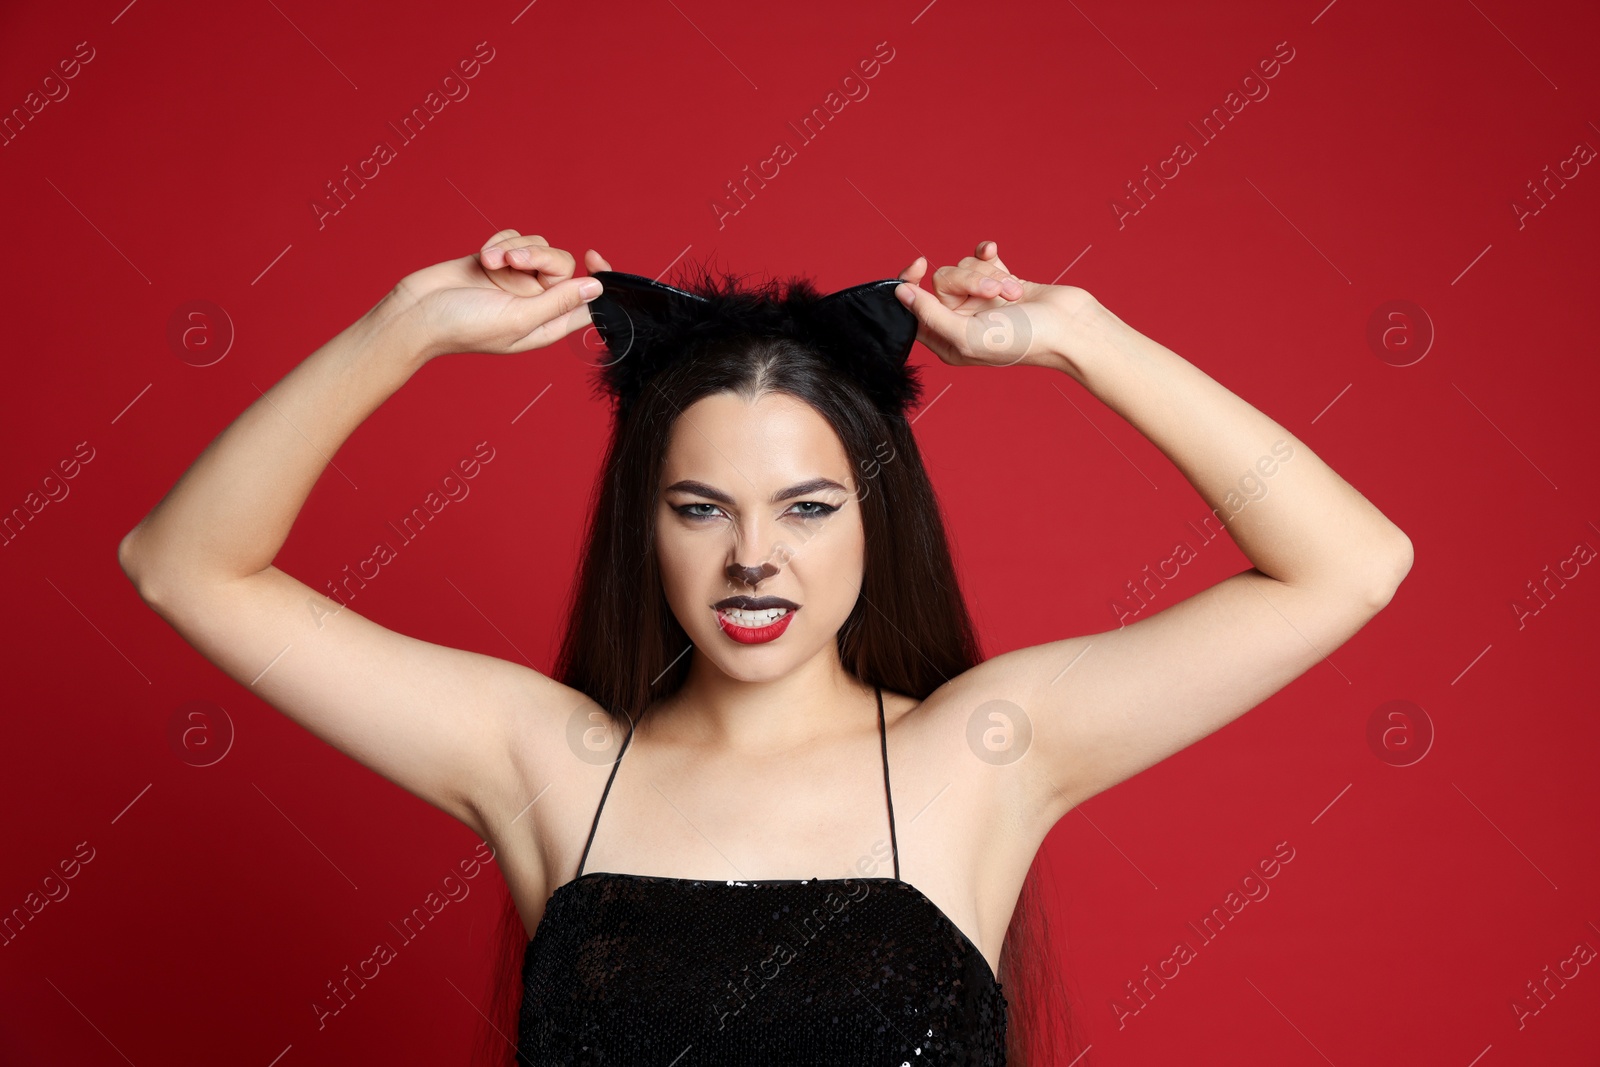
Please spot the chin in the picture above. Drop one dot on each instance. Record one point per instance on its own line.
(746, 664)
(747, 672)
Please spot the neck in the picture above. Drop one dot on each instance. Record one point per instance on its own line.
(817, 699)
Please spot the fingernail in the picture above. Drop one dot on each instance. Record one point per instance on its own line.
(521, 255)
(588, 289)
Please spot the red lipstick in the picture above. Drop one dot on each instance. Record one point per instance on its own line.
(747, 635)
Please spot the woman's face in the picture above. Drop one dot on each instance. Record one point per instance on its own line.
(757, 500)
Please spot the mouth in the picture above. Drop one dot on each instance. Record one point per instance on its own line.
(754, 617)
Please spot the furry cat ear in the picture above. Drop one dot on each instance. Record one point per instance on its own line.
(647, 326)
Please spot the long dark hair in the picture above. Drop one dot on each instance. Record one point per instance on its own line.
(909, 632)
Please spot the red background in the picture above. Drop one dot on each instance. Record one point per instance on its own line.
(1382, 166)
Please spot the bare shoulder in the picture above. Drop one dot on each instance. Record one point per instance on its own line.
(965, 838)
(536, 804)
(957, 751)
(970, 737)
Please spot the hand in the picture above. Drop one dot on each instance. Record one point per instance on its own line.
(513, 295)
(980, 314)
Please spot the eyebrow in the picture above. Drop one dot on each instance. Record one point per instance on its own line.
(802, 489)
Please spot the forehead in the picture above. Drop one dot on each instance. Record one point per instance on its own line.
(769, 443)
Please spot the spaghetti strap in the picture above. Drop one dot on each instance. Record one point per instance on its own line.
(883, 737)
(601, 806)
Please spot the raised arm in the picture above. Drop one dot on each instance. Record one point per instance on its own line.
(1104, 706)
(434, 720)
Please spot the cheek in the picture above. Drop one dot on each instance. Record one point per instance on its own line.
(834, 572)
(673, 562)
(688, 567)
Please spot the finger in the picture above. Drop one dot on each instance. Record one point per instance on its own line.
(497, 250)
(553, 314)
(553, 265)
(913, 274)
(1009, 286)
(955, 284)
(503, 256)
(991, 266)
(498, 236)
(989, 252)
(594, 261)
(934, 319)
(514, 242)
(504, 241)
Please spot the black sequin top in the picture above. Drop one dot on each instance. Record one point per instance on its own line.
(674, 972)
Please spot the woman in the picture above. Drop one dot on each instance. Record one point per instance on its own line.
(753, 893)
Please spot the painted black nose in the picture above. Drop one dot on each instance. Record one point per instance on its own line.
(751, 576)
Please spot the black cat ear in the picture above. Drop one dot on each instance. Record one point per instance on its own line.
(864, 330)
(868, 333)
(632, 315)
(871, 317)
(633, 307)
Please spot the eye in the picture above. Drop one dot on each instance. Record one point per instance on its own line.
(824, 509)
(686, 510)
(821, 510)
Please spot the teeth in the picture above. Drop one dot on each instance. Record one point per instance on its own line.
(754, 619)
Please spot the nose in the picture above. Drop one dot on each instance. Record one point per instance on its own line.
(751, 576)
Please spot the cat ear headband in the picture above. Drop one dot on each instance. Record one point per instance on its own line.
(647, 326)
